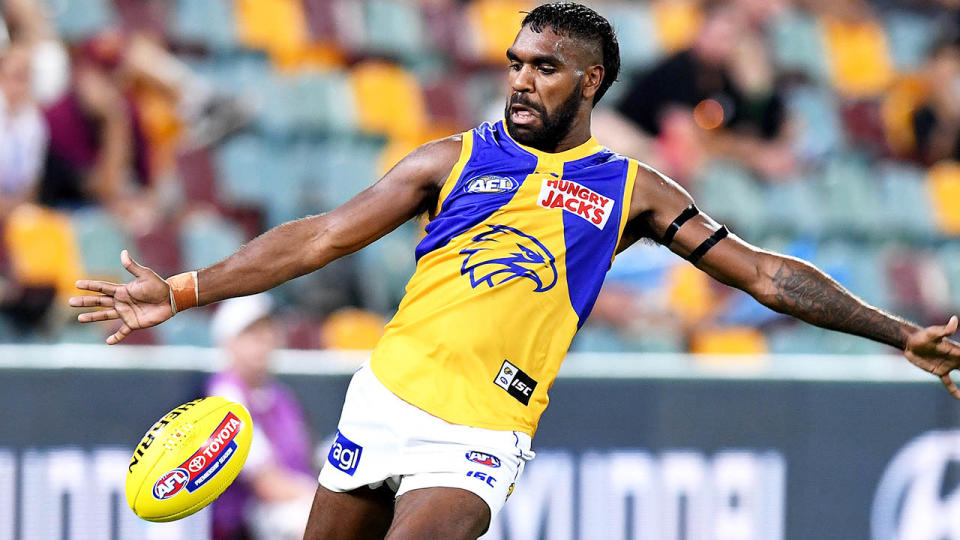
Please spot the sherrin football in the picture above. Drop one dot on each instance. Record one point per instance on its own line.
(188, 458)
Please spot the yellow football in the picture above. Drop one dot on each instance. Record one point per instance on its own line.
(188, 458)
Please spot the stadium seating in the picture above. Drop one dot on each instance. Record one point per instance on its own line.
(797, 44)
(944, 181)
(78, 19)
(343, 89)
(42, 248)
(100, 238)
(858, 58)
(205, 22)
(637, 34)
(388, 99)
(207, 238)
(676, 22)
(491, 28)
(395, 28)
(909, 37)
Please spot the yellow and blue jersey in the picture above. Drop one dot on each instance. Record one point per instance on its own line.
(509, 269)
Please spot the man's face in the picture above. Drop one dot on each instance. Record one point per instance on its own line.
(545, 78)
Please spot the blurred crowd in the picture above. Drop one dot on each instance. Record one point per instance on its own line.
(829, 130)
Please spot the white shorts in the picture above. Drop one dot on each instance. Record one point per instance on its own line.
(382, 439)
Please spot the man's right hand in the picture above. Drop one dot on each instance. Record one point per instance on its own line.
(141, 303)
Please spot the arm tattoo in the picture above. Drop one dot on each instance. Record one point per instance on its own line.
(801, 290)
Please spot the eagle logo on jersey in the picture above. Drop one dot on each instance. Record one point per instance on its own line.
(503, 253)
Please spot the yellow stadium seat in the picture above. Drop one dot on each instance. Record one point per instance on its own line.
(389, 100)
(42, 247)
(896, 112)
(733, 340)
(493, 26)
(278, 27)
(352, 329)
(860, 64)
(689, 293)
(677, 23)
(944, 183)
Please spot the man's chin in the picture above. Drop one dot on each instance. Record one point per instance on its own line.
(525, 134)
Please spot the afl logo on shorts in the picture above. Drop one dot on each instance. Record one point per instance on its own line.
(483, 459)
(492, 184)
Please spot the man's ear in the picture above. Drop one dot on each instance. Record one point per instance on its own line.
(592, 78)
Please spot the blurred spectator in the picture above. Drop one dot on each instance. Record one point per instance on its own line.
(936, 123)
(96, 141)
(716, 98)
(272, 496)
(23, 133)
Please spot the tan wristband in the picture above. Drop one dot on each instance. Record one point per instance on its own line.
(184, 293)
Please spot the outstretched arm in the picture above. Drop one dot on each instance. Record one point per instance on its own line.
(782, 283)
(284, 252)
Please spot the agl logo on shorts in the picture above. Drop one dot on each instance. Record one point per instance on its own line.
(345, 454)
(576, 199)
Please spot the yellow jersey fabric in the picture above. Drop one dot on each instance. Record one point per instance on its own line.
(509, 269)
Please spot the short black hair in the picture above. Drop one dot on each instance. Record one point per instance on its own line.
(581, 22)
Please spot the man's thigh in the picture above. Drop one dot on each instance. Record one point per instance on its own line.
(360, 514)
(439, 512)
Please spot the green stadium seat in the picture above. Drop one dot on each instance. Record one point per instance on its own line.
(79, 19)
(909, 36)
(206, 22)
(818, 120)
(241, 165)
(727, 192)
(850, 196)
(386, 266)
(637, 34)
(906, 202)
(338, 168)
(100, 239)
(792, 208)
(949, 256)
(206, 238)
(324, 102)
(797, 44)
(396, 28)
(187, 328)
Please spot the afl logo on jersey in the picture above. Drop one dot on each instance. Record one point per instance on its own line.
(492, 184)
(504, 254)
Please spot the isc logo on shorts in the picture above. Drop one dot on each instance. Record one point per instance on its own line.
(345, 454)
(517, 383)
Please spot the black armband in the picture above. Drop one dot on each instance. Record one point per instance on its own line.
(704, 247)
(684, 217)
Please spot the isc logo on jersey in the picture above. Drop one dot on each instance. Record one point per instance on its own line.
(576, 199)
(492, 184)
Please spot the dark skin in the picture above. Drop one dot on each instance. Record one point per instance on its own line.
(544, 68)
